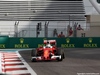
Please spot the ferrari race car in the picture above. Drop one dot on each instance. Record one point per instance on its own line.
(47, 52)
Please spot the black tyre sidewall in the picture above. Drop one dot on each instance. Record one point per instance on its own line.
(33, 52)
(60, 52)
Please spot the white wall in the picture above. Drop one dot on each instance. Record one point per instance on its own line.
(89, 8)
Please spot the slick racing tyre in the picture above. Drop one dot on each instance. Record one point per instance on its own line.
(60, 52)
(33, 54)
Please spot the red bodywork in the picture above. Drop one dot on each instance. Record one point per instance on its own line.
(46, 53)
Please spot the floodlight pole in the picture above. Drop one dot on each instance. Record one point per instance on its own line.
(16, 28)
(46, 28)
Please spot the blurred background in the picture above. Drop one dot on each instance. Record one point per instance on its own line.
(40, 18)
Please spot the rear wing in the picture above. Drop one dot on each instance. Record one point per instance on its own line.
(53, 42)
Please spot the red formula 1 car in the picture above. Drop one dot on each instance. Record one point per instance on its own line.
(48, 52)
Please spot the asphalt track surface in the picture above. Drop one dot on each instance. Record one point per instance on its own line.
(77, 62)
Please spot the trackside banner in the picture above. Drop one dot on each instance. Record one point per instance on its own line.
(18, 43)
(4, 41)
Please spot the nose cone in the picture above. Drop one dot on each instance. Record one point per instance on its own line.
(46, 54)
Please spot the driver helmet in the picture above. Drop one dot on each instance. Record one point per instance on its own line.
(48, 44)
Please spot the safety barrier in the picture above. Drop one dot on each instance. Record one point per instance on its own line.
(68, 42)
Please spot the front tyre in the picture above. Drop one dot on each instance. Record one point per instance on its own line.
(33, 54)
(60, 52)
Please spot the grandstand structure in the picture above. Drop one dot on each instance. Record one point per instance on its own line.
(42, 10)
(19, 18)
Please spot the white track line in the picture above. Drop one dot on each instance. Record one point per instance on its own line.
(17, 72)
(16, 66)
(12, 62)
(26, 69)
(11, 59)
(26, 64)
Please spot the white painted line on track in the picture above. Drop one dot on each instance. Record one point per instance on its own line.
(17, 66)
(11, 65)
(11, 56)
(17, 72)
(11, 59)
(26, 64)
(12, 62)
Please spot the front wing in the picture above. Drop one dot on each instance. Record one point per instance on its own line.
(39, 58)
